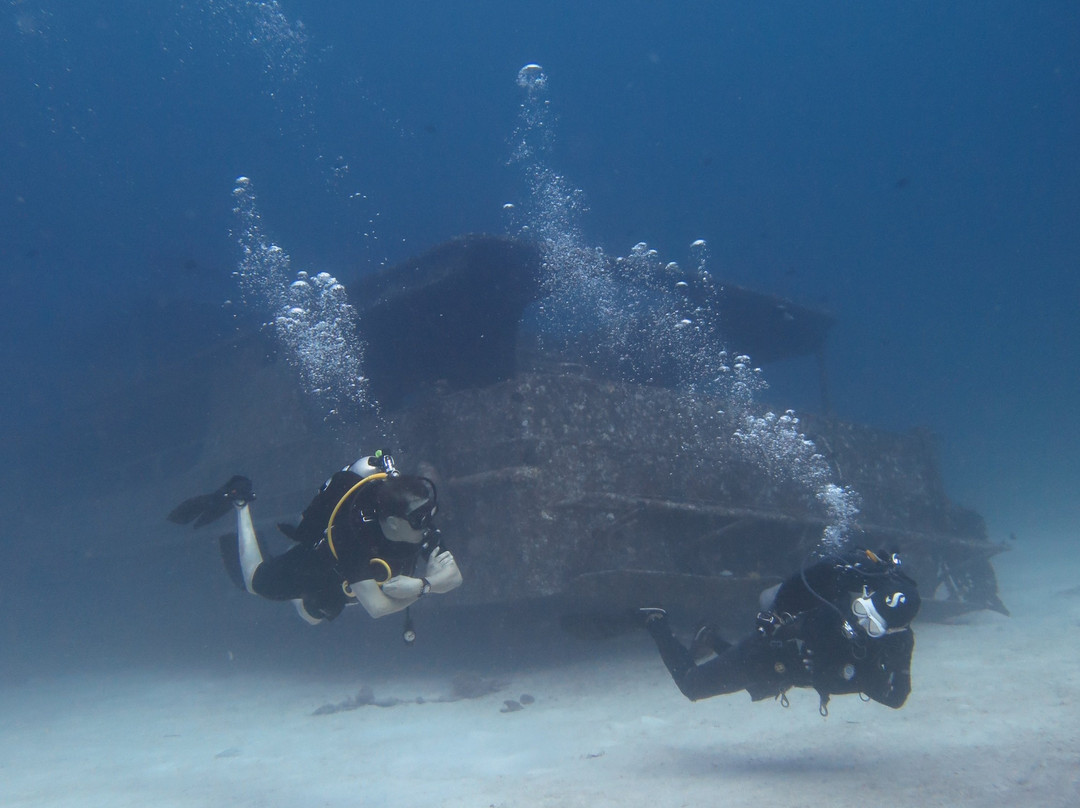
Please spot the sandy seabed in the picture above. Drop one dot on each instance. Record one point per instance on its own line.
(993, 719)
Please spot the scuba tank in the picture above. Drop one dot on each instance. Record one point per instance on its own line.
(378, 463)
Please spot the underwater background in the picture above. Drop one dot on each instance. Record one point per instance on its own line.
(911, 168)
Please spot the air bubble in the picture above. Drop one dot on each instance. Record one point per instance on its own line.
(311, 316)
(643, 320)
(532, 78)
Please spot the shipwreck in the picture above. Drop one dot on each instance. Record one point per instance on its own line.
(562, 479)
(565, 480)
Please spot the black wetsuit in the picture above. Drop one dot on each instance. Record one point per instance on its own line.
(311, 572)
(803, 642)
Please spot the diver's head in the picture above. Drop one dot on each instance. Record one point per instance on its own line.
(405, 506)
(888, 609)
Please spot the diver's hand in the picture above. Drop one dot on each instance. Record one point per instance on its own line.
(403, 587)
(442, 572)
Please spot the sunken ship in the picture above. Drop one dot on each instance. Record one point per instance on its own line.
(565, 480)
(560, 480)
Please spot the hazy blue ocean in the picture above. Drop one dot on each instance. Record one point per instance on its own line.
(910, 167)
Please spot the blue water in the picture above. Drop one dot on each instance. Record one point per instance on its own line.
(912, 168)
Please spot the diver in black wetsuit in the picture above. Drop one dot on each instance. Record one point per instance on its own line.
(366, 538)
(839, 626)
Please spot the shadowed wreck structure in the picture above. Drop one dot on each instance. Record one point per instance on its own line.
(563, 480)
(560, 479)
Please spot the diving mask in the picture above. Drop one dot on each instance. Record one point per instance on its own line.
(419, 518)
(867, 617)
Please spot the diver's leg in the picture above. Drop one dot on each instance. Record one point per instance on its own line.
(707, 643)
(677, 658)
(250, 554)
(300, 577)
(718, 675)
(306, 616)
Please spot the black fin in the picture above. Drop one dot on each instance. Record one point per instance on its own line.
(238, 488)
(289, 530)
(230, 556)
(216, 507)
(190, 509)
(207, 508)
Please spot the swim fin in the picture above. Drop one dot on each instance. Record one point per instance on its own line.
(204, 509)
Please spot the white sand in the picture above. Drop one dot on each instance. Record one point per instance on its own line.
(994, 719)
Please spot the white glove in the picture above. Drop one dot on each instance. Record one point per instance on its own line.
(403, 587)
(442, 572)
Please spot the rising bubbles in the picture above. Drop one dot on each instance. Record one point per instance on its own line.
(310, 315)
(655, 322)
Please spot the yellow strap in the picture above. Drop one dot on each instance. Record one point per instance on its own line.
(330, 525)
(346, 587)
(389, 572)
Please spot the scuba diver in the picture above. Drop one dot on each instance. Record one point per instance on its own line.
(839, 626)
(367, 537)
